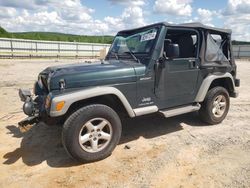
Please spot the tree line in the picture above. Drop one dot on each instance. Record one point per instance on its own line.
(51, 36)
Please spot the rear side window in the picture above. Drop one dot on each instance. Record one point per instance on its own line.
(216, 49)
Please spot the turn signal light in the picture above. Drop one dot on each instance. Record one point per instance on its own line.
(60, 105)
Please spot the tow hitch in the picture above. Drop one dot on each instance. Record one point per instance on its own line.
(27, 123)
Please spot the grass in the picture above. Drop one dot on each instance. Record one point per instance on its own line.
(51, 36)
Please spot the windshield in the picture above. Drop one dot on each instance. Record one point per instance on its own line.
(135, 43)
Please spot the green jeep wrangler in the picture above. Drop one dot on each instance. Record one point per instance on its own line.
(160, 68)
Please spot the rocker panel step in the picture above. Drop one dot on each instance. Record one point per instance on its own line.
(180, 110)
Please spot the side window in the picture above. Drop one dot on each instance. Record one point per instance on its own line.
(187, 41)
(217, 48)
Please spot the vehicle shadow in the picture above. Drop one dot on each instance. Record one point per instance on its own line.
(155, 125)
(43, 142)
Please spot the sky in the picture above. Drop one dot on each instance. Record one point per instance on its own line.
(98, 17)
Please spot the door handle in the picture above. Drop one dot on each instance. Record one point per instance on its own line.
(192, 64)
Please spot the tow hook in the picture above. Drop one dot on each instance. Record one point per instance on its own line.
(26, 124)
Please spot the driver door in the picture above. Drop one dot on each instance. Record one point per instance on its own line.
(178, 79)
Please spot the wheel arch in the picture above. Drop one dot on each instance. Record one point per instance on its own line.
(109, 96)
(109, 100)
(211, 81)
(223, 82)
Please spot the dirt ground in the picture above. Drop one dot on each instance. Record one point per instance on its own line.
(175, 152)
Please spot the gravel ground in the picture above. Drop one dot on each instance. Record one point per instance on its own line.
(153, 152)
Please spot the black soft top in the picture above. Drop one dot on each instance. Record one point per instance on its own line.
(196, 25)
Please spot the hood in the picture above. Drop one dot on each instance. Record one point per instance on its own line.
(89, 74)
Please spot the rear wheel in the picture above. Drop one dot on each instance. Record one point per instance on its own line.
(215, 106)
(91, 133)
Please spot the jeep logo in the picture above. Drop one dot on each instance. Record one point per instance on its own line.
(146, 99)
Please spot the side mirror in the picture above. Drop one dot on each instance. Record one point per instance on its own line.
(172, 51)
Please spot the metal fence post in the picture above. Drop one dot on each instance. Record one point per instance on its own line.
(36, 48)
(11, 48)
(92, 51)
(76, 50)
(58, 50)
(239, 53)
(31, 49)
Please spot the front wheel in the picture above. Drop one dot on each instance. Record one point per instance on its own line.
(91, 133)
(215, 106)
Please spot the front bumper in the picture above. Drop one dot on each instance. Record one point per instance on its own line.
(35, 110)
(30, 108)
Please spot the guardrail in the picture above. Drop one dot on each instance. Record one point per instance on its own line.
(10, 48)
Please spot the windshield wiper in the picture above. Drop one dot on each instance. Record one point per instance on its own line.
(132, 55)
(115, 54)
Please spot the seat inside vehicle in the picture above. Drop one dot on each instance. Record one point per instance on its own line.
(187, 41)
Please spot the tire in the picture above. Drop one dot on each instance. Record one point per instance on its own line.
(215, 106)
(91, 133)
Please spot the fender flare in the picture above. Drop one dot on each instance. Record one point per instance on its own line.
(75, 96)
(207, 82)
